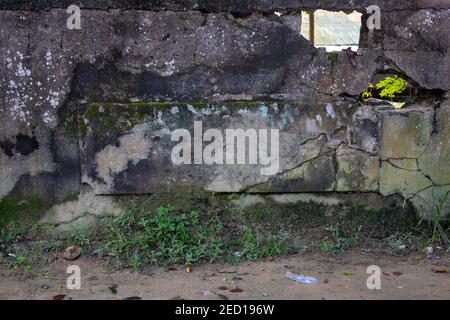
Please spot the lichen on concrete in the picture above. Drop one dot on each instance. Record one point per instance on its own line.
(356, 170)
(407, 183)
(435, 161)
(406, 133)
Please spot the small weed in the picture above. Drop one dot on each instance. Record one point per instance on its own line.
(438, 233)
(366, 94)
(163, 238)
(21, 262)
(254, 245)
(53, 245)
(391, 86)
(9, 234)
(396, 241)
(135, 261)
(81, 237)
(339, 241)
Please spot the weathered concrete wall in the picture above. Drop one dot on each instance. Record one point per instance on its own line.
(55, 143)
(333, 147)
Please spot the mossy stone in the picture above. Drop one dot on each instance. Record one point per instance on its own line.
(407, 183)
(356, 170)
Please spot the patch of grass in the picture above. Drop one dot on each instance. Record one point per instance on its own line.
(163, 238)
(338, 241)
(438, 227)
(53, 245)
(254, 244)
(378, 224)
(9, 234)
(22, 262)
(397, 240)
(82, 237)
(148, 233)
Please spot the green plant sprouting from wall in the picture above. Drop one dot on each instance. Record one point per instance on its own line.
(368, 92)
(390, 87)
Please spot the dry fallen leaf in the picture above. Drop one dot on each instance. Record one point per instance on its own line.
(59, 297)
(222, 296)
(236, 290)
(188, 269)
(223, 288)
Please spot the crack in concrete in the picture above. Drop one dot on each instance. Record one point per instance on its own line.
(294, 168)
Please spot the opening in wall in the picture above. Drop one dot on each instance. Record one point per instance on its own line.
(332, 31)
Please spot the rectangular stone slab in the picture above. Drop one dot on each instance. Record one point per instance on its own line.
(127, 148)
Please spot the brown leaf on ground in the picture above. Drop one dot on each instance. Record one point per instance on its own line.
(59, 297)
(237, 290)
(222, 288)
(222, 296)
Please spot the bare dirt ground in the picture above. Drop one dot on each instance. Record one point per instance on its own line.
(341, 277)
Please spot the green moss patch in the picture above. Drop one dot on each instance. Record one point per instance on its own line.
(22, 210)
(119, 117)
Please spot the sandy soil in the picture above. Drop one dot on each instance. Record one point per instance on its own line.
(341, 277)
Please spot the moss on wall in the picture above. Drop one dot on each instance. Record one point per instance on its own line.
(22, 210)
(119, 117)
